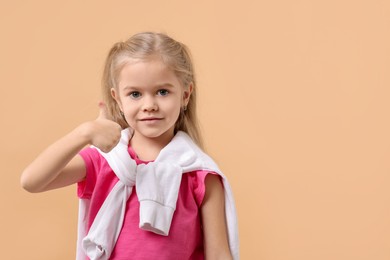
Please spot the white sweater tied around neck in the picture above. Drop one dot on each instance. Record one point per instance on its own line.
(158, 186)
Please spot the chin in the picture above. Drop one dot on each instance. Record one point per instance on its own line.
(156, 134)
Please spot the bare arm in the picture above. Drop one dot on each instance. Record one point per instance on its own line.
(57, 162)
(60, 165)
(214, 221)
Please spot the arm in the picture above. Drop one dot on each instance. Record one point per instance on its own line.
(60, 165)
(214, 221)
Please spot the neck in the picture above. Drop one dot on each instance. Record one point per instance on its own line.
(146, 148)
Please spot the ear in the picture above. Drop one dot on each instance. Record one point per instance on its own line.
(187, 94)
(115, 95)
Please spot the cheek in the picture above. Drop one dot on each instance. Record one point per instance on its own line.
(174, 108)
(129, 111)
(176, 116)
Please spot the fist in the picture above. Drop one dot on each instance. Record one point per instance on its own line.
(104, 133)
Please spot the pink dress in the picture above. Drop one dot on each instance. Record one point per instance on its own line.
(185, 239)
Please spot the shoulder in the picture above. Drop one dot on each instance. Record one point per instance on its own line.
(98, 172)
(195, 182)
(94, 161)
(213, 187)
(90, 153)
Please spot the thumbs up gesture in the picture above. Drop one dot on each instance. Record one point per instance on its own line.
(103, 113)
(104, 133)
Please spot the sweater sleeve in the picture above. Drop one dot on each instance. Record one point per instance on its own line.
(92, 161)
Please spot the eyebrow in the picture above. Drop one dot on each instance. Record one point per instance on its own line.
(163, 85)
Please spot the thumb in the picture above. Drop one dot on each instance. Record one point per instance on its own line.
(103, 112)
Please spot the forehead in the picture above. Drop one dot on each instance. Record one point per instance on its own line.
(144, 73)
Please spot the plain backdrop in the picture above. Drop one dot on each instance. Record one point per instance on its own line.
(293, 101)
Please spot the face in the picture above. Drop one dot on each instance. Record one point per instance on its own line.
(150, 96)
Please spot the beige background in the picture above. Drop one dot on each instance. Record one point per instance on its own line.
(294, 104)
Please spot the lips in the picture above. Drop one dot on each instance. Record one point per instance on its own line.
(150, 119)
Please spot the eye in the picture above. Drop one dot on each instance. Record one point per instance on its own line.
(162, 92)
(135, 94)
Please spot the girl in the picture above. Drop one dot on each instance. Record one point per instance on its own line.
(146, 189)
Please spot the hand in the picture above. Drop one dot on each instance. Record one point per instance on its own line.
(103, 132)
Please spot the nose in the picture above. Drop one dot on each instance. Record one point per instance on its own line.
(149, 104)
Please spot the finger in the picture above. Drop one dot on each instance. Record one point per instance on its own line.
(103, 112)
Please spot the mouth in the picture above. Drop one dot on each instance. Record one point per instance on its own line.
(149, 119)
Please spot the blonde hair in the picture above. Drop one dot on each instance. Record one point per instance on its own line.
(149, 45)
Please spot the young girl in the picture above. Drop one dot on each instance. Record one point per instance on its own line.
(146, 189)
